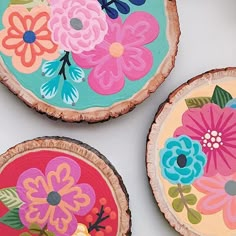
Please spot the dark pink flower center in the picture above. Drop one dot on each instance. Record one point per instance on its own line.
(230, 188)
(54, 198)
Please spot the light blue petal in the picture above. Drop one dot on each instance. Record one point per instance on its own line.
(182, 171)
(49, 68)
(76, 74)
(184, 152)
(69, 93)
(49, 89)
(187, 180)
(198, 169)
(172, 177)
(173, 143)
(231, 103)
(187, 143)
(165, 156)
(196, 148)
(189, 161)
(201, 157)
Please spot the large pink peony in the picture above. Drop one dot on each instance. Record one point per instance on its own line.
(220, 196)
(121, 54)
(215, 129)
(77, 25)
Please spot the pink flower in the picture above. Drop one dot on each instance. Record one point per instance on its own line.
(77, 25)
(122, 53)
(53, 199)
(220, 195)
(215, 129)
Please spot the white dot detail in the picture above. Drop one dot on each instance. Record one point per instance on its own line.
(212, 139)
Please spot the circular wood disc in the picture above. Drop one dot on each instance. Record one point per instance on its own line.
(191, 155)
(86, 60)
(61, 187)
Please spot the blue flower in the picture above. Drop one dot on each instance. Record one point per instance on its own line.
(182, 160)
(232, 103)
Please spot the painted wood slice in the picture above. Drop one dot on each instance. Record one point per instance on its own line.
(54, 186)
(86, 59)
(191, 155)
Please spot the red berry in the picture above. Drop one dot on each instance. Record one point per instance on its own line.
(107, 210)
(95, 211)
(113, 215)
(108, 229)
(89, 218)
(100, 233)
(103, 201)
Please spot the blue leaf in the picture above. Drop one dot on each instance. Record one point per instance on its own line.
(49, 89)
(122, 7)
(49, 68)
(102, 2)
(138, 2)
(69, 93)
(76, 74)
(111, 12)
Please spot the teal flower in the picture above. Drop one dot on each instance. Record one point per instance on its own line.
(182, 160)
(232, 103)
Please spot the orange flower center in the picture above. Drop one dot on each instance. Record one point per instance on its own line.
(116, 50)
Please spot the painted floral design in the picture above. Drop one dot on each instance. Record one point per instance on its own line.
(26, 37)
(54, 198)
(182, 160)
(77, 25)
(121, 54)
(219, 196)
(215, 129)
(81, 230)
(231, 103)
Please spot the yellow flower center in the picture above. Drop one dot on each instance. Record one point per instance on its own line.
(116, 50)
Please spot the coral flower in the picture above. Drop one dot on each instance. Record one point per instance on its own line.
(122, 53)
(26, 37)
(220, 195)
(53, 199)
(215, 129)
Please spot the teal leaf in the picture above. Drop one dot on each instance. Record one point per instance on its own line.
(194, 216)
(69, 94)
(10, 198)
(178, 205)
(173, 192)
(221, 97)
(49, 89)
(76, 74)
(12, 219)
(197, 102)
(49, 68)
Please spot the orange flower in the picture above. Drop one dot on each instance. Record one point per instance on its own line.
(26, 37)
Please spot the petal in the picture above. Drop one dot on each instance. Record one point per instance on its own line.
(136, 62)
(49, 89)
(40, 22)
(62, 222)
(171, 175)
(213, 203)
(29, 58)
(31, 186)
(16, 18)
(107, 78)
(35, 213)
(69, 93)
(139, 32)
(211, 185)
(229, 213)
(62, 173)
(79, 199)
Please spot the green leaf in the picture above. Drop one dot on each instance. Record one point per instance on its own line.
(10, 198)
(221, 97)
(12, 219)
(186, 188)
(191, 199)
(173, 192)
(178, 205)
(197, 102)
(20, 2)
(34, 228)
(25, 234)
(194, 216)
(50, 233)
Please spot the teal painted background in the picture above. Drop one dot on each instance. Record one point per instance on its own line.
(88, 98)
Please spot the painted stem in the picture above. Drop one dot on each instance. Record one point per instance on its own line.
(108, 4)
(99, 220)
(66, 61)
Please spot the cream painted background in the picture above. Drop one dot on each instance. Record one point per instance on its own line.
(208, 41)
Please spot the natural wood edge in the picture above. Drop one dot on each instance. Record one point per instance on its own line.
(91, 155)
(100, 114)
(208, 77)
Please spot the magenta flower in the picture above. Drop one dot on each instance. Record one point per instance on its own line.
(122, 53)
(53, 199)
(77, 25)
(215, 129)
(220, 195)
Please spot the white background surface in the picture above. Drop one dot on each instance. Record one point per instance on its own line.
(208, 41)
